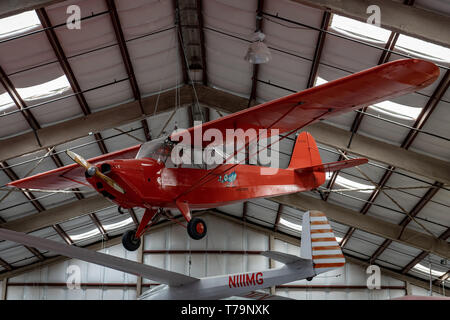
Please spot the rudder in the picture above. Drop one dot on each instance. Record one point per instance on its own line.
(319, 243)
(306, 153)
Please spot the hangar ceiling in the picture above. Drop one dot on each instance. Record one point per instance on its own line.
(138, 69)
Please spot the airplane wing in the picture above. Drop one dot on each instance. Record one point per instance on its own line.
(293, 112)
(71, 176)
(138, 269)
(298, 110)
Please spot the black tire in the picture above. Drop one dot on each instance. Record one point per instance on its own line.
(193, 228)
(309, 279)
(129, 241)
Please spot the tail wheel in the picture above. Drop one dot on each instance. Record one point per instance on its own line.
(196, 228)
(129, 240)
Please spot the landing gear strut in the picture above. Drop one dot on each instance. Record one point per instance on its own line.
(129, 240)
(196, 228)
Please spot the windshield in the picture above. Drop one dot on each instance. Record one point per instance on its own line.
(158, 149)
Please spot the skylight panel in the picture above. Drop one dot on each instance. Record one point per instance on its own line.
(397, 110)
(40, 91)
(117, 225)
(290, 225)
(423, 49)
(5, 101)
(347, 183)
(107, 227)
(421, 268)
(19, 23)
(45, 90)
(319, 81)
(359, 30)
(85, 235)
(350, 184)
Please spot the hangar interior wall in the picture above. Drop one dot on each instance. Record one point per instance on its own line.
(242, 245)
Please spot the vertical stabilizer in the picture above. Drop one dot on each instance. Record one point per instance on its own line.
(319, 243)
(305, 153)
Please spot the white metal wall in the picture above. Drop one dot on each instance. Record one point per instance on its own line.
(223, 235)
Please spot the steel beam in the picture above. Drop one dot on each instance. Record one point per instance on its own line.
(244, 210)
(99, 225)
(258, 27)
(20, 104)
(278, 217)
(62, 234)
(428, 109)
(183, 58)
(4, 289)
(133, 216)
(5, 265)
(199, 10)
(326, 18)
(394, 16)
(36, 253)
(13, 176)
(64, 63)
(127, 61)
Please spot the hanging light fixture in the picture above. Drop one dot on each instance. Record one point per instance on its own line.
(258, 52)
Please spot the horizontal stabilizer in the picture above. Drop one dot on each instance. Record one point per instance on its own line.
(285, 257)
(333, 166)
(124, 265)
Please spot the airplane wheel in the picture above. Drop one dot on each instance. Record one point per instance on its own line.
(309, 279)
(129, 241)
(196, 228)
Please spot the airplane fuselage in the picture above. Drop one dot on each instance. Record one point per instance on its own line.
(223, 286)
(148, 183)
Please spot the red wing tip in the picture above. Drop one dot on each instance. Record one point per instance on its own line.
(422, 66)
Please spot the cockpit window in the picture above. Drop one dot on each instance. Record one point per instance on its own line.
(158, 149)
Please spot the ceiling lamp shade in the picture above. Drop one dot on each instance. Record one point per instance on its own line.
(258, 52)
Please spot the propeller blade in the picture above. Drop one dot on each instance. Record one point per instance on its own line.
(78, 159)
(92, 170)
(109, 181)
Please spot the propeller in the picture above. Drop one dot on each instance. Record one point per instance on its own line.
(92, 170)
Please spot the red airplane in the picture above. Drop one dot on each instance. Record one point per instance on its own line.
(140, 177)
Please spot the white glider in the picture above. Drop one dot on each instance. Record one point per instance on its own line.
(319, 253)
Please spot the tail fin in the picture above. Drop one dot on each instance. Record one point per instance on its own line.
(306, 153)
(319, 243)
(306, 159)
